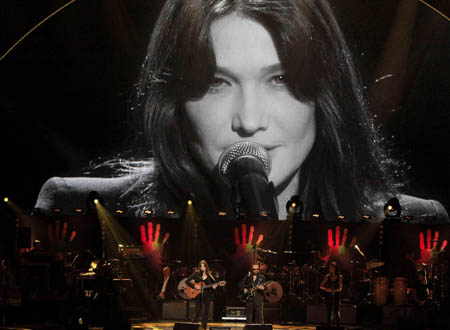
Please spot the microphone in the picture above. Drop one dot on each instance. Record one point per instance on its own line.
(245, 166)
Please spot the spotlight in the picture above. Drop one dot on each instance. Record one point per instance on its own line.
(392, 208)
(78, 210)
(341, 217)
(6, 199)
(366, 216)
(171, 212)
(148, 212)
(92, 201)
(189, 202)
(222, 213)
(119, 211)
(294, 207)
(316, 215)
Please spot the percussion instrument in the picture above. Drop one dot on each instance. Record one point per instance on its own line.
(399, 288)
(182, 289)
(273, 292)
(381, 290)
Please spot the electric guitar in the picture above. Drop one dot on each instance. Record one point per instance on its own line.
(191, 293)
(244, 296)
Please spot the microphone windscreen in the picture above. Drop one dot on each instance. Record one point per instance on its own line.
(243, 149)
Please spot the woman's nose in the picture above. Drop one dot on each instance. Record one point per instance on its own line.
(250, 112)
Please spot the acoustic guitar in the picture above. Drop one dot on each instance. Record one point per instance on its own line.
(191, 293)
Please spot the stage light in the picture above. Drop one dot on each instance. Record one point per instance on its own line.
(392, 208)
(119, 211)
(222, 213)
(57, 210)
(6, 199)
(189, 202)
(366, 217)
(341, 217)
(171, 212)
(96, 201)
(316, 215)
(78, 210)
(148, 212)
(294, 207)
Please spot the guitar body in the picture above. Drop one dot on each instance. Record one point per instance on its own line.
(243, 297)
(191, 293)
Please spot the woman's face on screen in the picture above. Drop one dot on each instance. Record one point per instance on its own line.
(249, 101)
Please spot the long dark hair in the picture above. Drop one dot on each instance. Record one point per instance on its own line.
(347, 165)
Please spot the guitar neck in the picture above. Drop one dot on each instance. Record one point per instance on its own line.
(207, 286)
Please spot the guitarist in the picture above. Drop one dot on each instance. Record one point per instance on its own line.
(253, 285)
(197, 280)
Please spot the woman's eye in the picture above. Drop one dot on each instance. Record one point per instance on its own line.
(217, 84)
(279, 80)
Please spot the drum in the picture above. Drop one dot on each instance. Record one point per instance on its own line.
(182, 289)
(381, 290)
(399, 288)
(273, 292)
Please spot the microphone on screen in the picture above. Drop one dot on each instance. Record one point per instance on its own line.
(245, 166)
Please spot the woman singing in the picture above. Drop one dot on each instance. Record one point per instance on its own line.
(276, 73)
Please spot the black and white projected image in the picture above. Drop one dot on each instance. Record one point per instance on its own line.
(255, 109)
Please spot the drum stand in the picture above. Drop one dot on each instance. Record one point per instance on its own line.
(369, 298)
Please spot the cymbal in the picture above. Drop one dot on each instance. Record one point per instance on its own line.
(172, 262)
(266, 251)
(374, 264)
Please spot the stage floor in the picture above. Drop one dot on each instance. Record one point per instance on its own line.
(168, 325)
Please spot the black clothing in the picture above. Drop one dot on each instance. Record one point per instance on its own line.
(254, 306)
(203, 300)
(333, 299)
(422, 290)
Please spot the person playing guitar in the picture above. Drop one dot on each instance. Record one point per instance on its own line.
(253, 286)
(201, 285)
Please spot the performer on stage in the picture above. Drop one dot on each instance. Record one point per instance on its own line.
(197, 280)
(253, 286)
(332, 284)
(166, 287)
(422, 294)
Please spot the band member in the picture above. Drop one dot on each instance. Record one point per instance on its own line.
(332, 285)
(422, 295)
(253, 285)
(167, 285)
(197, 280)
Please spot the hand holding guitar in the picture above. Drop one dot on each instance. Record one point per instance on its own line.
(199, 287)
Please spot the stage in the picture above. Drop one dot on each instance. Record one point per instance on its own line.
(169, 325)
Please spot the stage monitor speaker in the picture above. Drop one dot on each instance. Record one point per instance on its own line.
(186, 326)
(258, 327)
